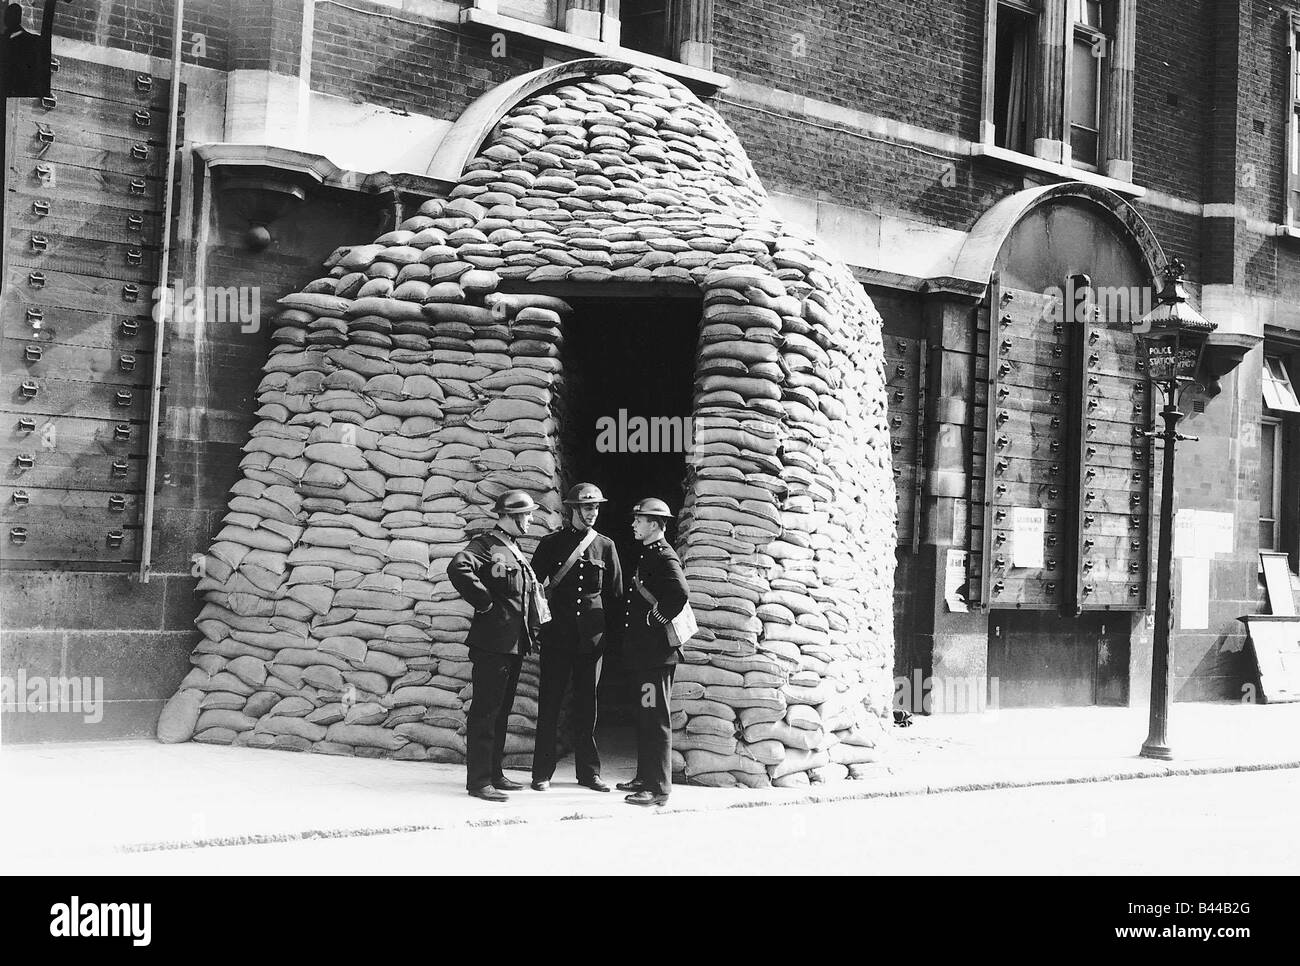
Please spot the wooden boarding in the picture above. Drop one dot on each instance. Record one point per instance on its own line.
(1111, 525)
(125, 155)
(1117, 455)
(135, 88)
(74, 363)
(88, 536)
(67, 433)
(128, 262)
(21, 504)
(1113, 433)
(93, 115)
(25, 396)
(142, 229)
(1031, 494)
(33, 180)
(72, 471)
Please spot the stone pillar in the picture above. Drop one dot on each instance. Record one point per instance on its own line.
(695, 33)
(581, 17)
(1117, 137)
(1048, 115)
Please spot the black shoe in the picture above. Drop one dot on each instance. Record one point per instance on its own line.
(635, 785)
(504, 784)
(596, 784)
(489, 794)
(542, 786)
(646, 798)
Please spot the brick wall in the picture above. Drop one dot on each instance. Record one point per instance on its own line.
(919, 62)
(407, 62)
(145, 26)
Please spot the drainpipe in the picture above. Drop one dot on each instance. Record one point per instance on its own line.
(160, 324)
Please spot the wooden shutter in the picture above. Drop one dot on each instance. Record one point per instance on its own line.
(1025, 424)
(1112, 460)
(83, 230)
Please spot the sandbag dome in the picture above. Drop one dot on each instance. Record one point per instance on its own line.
(404, 392)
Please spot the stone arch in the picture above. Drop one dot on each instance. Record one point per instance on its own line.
(405, 391)
(980, 251)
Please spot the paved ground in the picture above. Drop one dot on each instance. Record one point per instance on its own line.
(1217, 825)
(100, 799)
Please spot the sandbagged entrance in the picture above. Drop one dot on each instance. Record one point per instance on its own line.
(416, 381)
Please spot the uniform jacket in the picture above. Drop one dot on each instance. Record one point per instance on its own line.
(499, 588)
(593, 584)
(645, 640)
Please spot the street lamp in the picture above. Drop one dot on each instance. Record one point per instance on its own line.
(1173, 335)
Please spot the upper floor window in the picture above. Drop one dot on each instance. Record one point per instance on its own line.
(1016, 33)
(667, 32)
(1291, 217)
(649, 26)
(1058, 81)
(1089, 49)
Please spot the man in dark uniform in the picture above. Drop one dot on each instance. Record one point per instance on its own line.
(493, 575)
(657, 595)
(581, 572)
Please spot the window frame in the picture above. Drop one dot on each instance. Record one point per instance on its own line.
(1291, 201)
(1286, 457)
(1279, 455)
(1049, 136)
(1077, 30)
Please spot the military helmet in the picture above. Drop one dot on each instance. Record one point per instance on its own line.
(513, 501)
(650, 507)
(581, 493)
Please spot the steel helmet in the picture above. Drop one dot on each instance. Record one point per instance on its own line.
(513, 501)
(581, 493)
(650, 507)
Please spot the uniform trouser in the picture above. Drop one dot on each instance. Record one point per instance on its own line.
(495, 677)
(559, 665)
(654, 730)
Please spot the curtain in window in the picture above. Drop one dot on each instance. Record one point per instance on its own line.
(1018, 93)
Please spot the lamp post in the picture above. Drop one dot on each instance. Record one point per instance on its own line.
(1173, 335)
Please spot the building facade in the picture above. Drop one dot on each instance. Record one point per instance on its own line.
(1004, 180)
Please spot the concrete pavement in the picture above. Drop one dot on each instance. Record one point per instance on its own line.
(104, 798)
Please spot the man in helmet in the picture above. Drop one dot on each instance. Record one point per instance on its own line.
(583, 578)
(493, 576)
(658, 594)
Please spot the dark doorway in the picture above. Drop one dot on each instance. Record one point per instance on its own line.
(1040, 659)
(629, 366)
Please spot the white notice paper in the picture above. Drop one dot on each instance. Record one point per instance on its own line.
(1218, 529)
(1202, 533)
(1027, 528)
(954, 579)
(1194, 594)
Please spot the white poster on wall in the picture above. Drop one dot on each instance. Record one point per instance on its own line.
(1194, 596)
(1028, 525)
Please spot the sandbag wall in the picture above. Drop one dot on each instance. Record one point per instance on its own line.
(404, 392)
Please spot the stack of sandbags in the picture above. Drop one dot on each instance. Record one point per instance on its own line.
(405, 392)
(393, 411)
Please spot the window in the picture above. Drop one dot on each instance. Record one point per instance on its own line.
(1270, 483)
(1279, 394)
(1291, 217)
(1088, 51)
(534, 11)
(1016, 39)
(649, 26)
(1058, 83)
(1279, 465)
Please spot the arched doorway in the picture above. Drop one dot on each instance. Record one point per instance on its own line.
(1061, 521)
